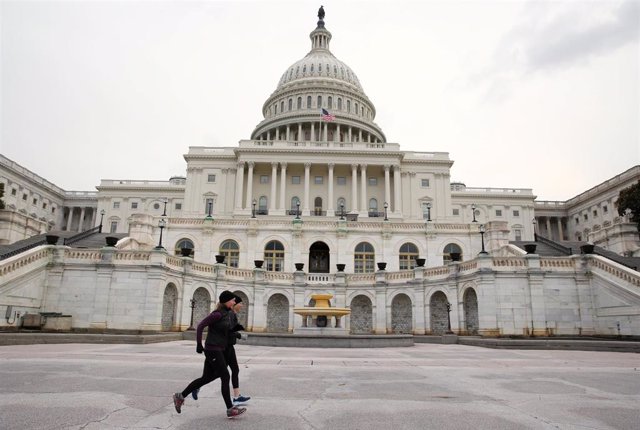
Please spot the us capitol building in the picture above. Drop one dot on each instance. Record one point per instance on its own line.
(317, 201)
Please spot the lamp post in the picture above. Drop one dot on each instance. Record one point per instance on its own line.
(102, 212)
(161, 224)
(483, 252)
(341, 211)
(535, 230)
(209, 209)
(164, 212)
(253, 210)
(428, 211)
(192, 304)
(473, 209)
(449, 319)
(297, 209)
(386, 206)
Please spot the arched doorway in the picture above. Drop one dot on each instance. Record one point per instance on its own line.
(319, 258)
(401, 314)
(243, 315)
(439, 314)
(317, 206)
(201, 305)
(169, 307)
(470, 304)
(278, 314)
(361, 315)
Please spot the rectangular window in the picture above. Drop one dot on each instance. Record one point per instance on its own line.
(44, 206)
(264, 179)
(516, 213)
(586, 217)
(24, 197)
(342, 180)
(318, 180)
(373, 181)
(35, 201)
(295, 180)
(114, 227)
(424, 183)
(577, 220)
(178, 206)
(605, 209)
(116, 205)
(14, 191)
(211, 178)
(498, 212)
(134, 205)
(53, 210)
(456, 212)
(518, 235)
(595, 213)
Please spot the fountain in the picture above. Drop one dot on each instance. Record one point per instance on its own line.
(321, 316)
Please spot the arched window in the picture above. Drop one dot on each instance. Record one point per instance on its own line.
(184, 243)
(299, 102)
(330, 102)
(231, 251)
(319, 102)
(356, 108)
(295, 201)
(282, 106)
(342, 205)
(274, 256)
(361, 110)
(312, 68)
(290, 104)
(275, 108)
(349, 106)
(450, 249)
(308, 102)
(262, 205)
(408, 254)
(363, 258)
(317, 206)
(339, 103)
(373, 208)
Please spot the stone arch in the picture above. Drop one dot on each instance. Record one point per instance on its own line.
(361, 315)
(470, 306)
(201, 305)
(439, 315)
(243, 315)
(319, 257)
(401, 314)
(278, 314)
(169, 306)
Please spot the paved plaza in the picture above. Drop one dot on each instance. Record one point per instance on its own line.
(427, 386)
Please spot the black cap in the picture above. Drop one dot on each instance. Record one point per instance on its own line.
(225, 296)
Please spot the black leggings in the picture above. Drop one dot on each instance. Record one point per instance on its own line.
(215, 366)
(232, 362)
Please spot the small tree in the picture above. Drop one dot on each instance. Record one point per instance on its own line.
(629, 199)
(1, 195)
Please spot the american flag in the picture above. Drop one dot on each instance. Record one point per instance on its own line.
(327, 116)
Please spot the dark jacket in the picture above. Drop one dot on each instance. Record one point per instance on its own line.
(219, 326)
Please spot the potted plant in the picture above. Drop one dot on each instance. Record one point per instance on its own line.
(51, 239)
(299, 266)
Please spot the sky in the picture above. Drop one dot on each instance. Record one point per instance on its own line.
(522, 94)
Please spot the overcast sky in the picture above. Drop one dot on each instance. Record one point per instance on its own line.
(521, 94)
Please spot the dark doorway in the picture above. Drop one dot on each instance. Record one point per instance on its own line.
(319, 258)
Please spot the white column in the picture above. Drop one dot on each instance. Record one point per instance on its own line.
(387, 186)
(560, 231)
(288, 133)
(81, 221)
(69, 219)
(277, 134)
(249, 185)
(283, 185)
(239, 185)
(312, 137)
(274, 179)
(354, 187)
(363, 189)
(300, 137)
(350, 139)
(325, 132)
(223, 208)
(397, 190)
(413, 210)
(307, 174)
(336, 136)
(330, 210)
(549, 235)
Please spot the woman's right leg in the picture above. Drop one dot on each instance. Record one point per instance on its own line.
(208, 374)
(223, 373)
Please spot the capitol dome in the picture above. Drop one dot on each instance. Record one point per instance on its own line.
(319, 99)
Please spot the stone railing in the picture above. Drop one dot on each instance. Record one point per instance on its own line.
(558, 263)
(25, 262)
(320, 278)
(615, 270)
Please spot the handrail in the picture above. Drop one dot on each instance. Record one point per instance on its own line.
(23, 249)
(82, 235)
(551, 243)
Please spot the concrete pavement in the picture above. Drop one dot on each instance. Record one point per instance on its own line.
(427, 386)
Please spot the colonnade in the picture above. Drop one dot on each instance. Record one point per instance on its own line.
(325, 133)
(244, 200)
(82, 222)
